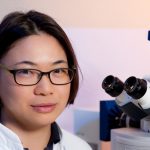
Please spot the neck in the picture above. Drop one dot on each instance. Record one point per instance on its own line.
(31, 139)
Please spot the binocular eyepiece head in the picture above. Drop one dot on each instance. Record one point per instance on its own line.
(134, 87)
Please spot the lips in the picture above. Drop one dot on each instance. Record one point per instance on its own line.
(44, 108)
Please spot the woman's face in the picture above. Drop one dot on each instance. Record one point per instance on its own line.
(40, 104)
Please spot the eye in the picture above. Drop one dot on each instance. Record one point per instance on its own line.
(26, 72)
(61, 71)
(23, 71)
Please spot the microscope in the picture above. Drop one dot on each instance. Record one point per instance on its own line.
(133, 98)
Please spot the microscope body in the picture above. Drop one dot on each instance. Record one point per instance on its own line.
(134, 99)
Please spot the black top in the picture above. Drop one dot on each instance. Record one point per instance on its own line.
(55, 136)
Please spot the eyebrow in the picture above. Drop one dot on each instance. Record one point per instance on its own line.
(34, 64)
(60, 62)
(25, 62)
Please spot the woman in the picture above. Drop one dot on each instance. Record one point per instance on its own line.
(38, 79)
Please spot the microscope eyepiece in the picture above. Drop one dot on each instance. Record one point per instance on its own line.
(136, 88)
(113, 86)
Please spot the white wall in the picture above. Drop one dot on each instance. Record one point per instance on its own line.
(101, 52)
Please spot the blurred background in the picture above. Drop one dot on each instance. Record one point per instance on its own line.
(109, 37)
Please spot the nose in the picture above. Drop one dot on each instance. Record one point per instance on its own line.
(44, 86)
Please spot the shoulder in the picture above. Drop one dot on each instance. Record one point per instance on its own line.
(73, 142)
(9, 140)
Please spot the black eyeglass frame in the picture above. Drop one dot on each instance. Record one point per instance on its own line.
(14, 71)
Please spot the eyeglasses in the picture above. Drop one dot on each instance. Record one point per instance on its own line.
(29, 77)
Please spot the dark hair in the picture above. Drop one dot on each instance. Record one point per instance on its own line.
(18, 25)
